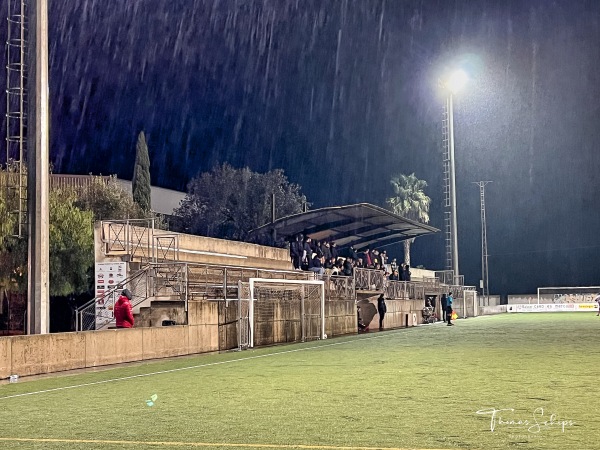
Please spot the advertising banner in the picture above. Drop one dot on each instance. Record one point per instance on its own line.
(552, 307)
(109, 275)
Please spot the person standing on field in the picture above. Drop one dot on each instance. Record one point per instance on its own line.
(444, 306)
(123, 314)
(449, 301)
(381, 309)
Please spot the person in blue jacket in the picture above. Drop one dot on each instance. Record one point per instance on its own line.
(449, 301)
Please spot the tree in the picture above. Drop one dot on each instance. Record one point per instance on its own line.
(13, 250)
(227, 203)
(409, 201)
(141, 174)
(108, 201)
(71, 244)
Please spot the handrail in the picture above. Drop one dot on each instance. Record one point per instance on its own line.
(107, 300)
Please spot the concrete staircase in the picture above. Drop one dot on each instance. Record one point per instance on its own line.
(159, 311)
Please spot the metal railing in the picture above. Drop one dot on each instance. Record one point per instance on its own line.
(98, 313)
(339, 287)
(370, 279)
(180, 279)
(138, 238)
(129, 237)
(189, 281)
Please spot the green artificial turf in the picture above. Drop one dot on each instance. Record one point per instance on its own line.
(414, 388)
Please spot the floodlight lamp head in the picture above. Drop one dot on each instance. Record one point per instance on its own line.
(457, 80)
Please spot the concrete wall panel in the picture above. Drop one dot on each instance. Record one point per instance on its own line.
(203, 338)
(113, 346)
(5, 357)
(161, 342)
(47, 353)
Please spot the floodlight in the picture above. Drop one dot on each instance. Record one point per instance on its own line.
(457, 81)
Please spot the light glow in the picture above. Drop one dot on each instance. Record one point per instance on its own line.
(457, 81)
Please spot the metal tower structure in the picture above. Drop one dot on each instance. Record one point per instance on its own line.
(485, 289)
(16, 114)
(446, 187)
(27, 146)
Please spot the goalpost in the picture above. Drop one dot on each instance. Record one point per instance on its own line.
(298, 306)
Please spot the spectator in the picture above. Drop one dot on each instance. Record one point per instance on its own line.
(353, 253)
(296, 250)
(394, 265)
(123, 314)
(317, 264)
(395, 276)
(361, 325)
(367, 262)
(336, 270)
(406, 276)
(347, 268)
(384, 257)
(443, 306)
(319, 249)
(375, 258)
(307, 254)
(326, 250)
(381, 309)
(334, 250)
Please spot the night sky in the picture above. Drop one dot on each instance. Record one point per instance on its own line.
(343, 94)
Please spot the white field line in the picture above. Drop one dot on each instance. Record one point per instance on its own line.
(63, 388)
(202, 444)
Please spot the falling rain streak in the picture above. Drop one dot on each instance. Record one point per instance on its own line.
(342, 95)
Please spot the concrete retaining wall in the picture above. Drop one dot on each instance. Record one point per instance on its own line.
(47, 353)
(37, 354)
(488, 310)
(399, 314)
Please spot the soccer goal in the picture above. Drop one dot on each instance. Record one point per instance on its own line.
(273, 311)
(575, 295)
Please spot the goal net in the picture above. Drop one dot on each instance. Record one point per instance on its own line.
(273, 311)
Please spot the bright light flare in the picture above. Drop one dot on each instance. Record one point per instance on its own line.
(457, 81)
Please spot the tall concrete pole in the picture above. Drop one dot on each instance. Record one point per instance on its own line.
(38, 171)
(453, 187)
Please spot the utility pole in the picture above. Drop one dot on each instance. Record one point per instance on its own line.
(485, 288)
(38, 170)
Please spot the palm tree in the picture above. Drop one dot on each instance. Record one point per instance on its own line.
(411, 202)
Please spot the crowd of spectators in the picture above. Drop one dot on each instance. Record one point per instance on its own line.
(324, 257)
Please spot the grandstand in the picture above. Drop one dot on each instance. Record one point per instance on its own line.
(187, 298)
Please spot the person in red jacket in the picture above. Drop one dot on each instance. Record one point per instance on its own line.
(123, 314)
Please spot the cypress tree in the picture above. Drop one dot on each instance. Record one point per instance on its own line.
(141, 174)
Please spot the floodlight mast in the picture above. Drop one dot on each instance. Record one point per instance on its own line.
(453, 84)
(485, 288)
(38, 171)
(453, 213)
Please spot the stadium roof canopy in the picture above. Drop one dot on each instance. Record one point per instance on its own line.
(362, 225)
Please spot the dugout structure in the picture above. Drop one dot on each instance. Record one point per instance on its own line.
(274, 311)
